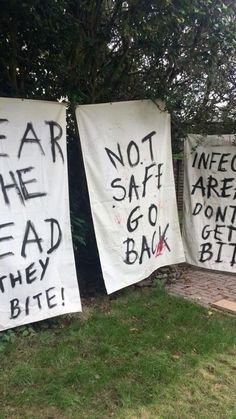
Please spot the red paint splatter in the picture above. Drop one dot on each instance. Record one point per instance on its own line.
(160, 247)
(118, 219)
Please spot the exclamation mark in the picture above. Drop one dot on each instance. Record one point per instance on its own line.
(62, 296)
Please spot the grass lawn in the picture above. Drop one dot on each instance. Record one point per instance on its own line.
(142, 355)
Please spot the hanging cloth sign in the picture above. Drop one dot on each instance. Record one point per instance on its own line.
(127, 154)
(209, 227)
(37, 269)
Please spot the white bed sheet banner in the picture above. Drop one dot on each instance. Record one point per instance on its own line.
(37, 270)
(209, 226)
(127, 154)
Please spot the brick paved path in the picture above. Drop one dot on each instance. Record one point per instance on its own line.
(203, 285)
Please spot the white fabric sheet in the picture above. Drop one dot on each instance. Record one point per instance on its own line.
(37, 271)
(209, 227)
(127, 154)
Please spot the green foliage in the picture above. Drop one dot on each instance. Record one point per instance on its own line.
(7, 337)
(178, 156)
(25, 331)
(96, 51)
(10, 336)
(78, 227)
